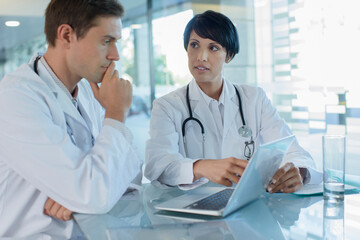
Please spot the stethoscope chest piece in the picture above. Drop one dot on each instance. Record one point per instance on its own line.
(245, 131)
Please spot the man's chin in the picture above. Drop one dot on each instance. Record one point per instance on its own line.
(94, 80)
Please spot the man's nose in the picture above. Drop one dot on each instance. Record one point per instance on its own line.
(113, 53)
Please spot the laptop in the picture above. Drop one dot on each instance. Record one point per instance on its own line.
(221, 201)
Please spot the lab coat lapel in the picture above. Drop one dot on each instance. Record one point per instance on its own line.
(77, 124)
(69, 109)
(231, 107)
(84, 109)
(201, 110)
(64, 101)
(78, 127)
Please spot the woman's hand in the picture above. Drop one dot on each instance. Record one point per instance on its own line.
(54, 209)
(221, 171)
(287, 179)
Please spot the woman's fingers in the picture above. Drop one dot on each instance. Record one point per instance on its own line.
(286, 179)
(221, 171)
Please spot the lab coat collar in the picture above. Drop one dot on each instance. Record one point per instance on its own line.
(64, 100)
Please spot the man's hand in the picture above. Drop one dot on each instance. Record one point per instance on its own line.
(53, 209)
(221, 171)
(114, 94)
(287, 179)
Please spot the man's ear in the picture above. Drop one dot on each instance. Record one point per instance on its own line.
(65, 35)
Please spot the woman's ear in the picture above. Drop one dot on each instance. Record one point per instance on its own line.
(228, 59)
(64, 35)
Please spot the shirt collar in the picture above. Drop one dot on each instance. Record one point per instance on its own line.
(209, 99)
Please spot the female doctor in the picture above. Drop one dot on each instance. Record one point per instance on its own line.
(209, 129)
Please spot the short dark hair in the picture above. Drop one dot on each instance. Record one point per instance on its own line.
(79, 14)
(217, 27)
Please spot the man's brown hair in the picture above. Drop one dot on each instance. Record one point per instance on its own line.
(79, 14)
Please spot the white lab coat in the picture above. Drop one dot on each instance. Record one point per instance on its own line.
(38, 159)
(165, 154)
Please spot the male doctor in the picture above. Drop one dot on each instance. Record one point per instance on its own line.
(63, 142)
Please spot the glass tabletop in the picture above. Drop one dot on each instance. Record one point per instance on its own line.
(273, 216)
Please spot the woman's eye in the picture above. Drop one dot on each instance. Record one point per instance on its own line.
(214, 48)
(194, 45)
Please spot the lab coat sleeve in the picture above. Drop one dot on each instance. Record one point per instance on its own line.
(121, 127)
(41, 152)
(273, 127)
(136, 183)
(164, 162)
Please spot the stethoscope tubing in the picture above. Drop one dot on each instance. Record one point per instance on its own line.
(191, 118)
(36, 64)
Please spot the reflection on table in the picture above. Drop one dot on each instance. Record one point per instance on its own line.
(276, 216)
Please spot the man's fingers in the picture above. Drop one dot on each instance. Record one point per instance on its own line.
(48, 206)
(99, 93)
(128, 86)
(95, 88)
(60, 213)
(67, 214)
(63, 214)
(54, 209)
(109, 72)
(115, 76)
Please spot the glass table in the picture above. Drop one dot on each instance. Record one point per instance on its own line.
(273, 216)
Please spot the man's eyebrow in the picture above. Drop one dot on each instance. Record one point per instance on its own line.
(110, 36)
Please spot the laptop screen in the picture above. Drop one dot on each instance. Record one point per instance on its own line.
(260, 170)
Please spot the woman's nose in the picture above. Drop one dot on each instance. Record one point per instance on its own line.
(202, 56)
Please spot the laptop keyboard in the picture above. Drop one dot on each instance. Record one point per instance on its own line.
(216, 201)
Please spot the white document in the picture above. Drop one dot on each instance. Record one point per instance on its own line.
(312, 189)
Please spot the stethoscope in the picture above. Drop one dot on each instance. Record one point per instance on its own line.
(68, 128)
(244, 130)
